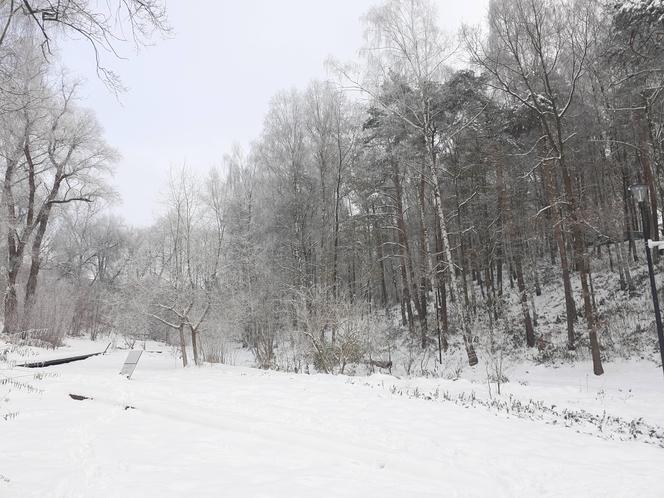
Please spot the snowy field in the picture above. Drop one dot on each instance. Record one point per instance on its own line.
(237, 431)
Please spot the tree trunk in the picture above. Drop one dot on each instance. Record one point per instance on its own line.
(381, 263)
(427, 279)
(194, 345)
(515, 250)
(579, 250)
(335, 249)
(454, 287)
(408, 277)
(523, 297)
(35, 265)
(556, 220)
(442, 293)
(11, 301)
(183, 345)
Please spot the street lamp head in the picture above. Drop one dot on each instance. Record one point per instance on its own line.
(639, 191)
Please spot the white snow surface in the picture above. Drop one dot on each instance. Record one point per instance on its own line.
(234, 431)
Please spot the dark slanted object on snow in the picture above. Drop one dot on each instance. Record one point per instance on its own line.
(80, 397)
(60, 361)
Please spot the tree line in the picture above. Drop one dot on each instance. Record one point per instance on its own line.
(424, 196)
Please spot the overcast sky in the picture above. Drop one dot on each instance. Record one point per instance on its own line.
(191, 97)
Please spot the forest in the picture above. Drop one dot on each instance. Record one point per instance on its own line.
(444, 199)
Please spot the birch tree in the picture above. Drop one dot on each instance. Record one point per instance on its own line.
(403, 37)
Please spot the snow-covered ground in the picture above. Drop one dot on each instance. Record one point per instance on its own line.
(237, 431)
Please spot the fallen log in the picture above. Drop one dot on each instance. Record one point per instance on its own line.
(61, 361)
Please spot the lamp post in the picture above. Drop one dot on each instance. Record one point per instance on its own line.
(640, 193)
